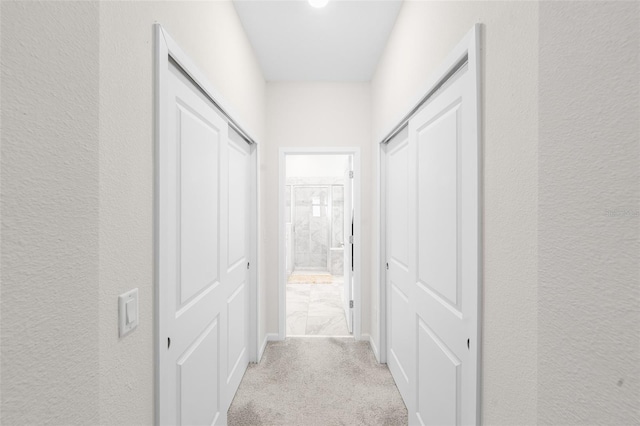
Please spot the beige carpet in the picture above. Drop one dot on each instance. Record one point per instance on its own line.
(317, 381)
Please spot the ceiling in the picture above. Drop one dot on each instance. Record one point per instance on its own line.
(296, 42)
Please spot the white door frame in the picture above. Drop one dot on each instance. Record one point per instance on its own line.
(357, 267)
(166, 50)
(466, 51)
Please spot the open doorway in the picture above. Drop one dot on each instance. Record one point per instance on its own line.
(318, 254)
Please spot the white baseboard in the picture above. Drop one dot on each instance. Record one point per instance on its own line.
(374, 348)
(269, 337)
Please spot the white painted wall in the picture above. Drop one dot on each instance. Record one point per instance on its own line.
(561, 277)
(211, 34)
(77, 195)
(424, 34)
(561, 247)
(589, 213)
(316, 165)
(313, 115)
(49, 207)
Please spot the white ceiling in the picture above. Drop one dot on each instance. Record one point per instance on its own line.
(296, 42)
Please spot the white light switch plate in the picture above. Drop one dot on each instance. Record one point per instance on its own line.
(127, 312)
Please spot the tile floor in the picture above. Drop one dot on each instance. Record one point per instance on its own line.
(316, 309)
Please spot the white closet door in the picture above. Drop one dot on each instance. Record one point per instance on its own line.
(203, 246)
(235, 240)
(191, 260)
(399, 241)
(446, 288)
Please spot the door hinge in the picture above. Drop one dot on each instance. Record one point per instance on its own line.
(351, 303)
(387, 266)
(248, 264)
(351, 174)
(350, 239)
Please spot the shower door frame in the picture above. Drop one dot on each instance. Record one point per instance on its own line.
(357, 236)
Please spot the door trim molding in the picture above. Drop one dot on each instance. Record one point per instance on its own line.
(357, 266)
(167, 50)
(467, 51)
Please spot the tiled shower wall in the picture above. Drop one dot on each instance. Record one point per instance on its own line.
(316, 238)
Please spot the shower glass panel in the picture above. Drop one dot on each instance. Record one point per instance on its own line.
(311, 227)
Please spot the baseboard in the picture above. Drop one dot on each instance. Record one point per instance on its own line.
(269, 337)
(374, 348)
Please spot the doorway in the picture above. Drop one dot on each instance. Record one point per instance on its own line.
(319, 260)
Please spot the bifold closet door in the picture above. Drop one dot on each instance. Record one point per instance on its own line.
(203, 195)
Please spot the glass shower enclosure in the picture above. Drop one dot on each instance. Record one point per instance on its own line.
(317, 237)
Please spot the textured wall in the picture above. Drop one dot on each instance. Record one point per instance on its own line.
(211, 34)
(49, 213)
(77, 195)
(424, 34)
(589, 213)
(313, 115)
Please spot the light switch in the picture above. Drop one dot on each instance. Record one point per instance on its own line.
(127, 312)
(132, 311)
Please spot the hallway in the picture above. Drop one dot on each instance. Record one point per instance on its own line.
(317, 381)
(143, 145)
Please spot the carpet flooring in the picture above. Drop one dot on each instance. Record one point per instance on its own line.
(317, 381)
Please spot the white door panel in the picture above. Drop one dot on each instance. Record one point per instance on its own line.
(198, 371)
(190, 259)
(400, 343)
(438, 204)
(446, 291)
(432, 249)
(203, 251)
(237, 306)
(238, 201)
(439, 380)
(199, 208)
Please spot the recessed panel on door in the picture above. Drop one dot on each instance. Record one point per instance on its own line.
(238, 190)
(400, 320)
(198, 200)
(438, 205)
(198, 371)
(236, 314)
(438, 380)
(397, 221)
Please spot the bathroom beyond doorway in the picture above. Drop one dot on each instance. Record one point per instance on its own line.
(317, 256)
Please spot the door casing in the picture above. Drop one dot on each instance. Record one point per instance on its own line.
(282, 276)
